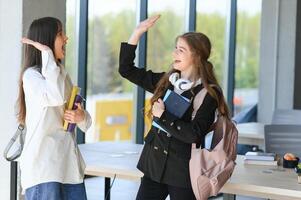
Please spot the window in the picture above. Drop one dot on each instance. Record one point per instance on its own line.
(109, 96)
(247, 54)
(211, 20)
(161, 37)
(71, 53)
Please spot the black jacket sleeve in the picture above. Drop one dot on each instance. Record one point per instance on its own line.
(193, 131)
(145, 79)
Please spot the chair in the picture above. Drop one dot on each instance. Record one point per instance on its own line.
(281, 139)
(286, 117)
(241, 149)
(248, 114)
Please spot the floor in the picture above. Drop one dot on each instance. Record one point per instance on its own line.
(123, 190)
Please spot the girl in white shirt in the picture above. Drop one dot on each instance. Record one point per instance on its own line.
(51, 165)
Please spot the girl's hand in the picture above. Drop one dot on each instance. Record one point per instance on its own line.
(158, 108)
(37, 45)
(75, 116)
(141, 28)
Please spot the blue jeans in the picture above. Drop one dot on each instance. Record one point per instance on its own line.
(56, 191)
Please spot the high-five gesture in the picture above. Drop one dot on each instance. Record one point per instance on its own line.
(141, 28)
(37, 45)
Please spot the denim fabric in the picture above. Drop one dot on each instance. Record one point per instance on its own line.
(56, 191)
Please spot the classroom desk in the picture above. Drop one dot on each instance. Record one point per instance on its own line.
(251, 133)
(109, 159)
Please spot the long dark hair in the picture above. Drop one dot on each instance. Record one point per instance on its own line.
(44, 31)
(200, 47)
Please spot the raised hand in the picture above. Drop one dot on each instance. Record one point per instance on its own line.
(141, 28)
(37, 45)
(146, 24)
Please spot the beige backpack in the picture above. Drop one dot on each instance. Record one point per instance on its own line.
(210, 169)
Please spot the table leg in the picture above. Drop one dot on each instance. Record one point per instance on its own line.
(107, 188)
(229, 196)
(13, 180)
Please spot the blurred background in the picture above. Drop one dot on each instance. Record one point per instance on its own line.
(254, 52)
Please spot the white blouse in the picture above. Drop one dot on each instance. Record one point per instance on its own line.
(50, 154)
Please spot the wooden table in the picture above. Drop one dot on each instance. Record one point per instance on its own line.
(270, 182)
(110, 159)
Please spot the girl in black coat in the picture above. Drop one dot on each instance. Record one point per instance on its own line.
(165, 156)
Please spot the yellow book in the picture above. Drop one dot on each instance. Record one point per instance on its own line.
(75, 91)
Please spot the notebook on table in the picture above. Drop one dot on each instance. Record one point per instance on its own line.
(260, 156)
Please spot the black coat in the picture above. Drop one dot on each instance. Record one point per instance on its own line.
(165, 158)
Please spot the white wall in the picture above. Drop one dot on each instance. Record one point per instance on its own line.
(15, 17)
(33, 9)
(277, 57)
(10, 61)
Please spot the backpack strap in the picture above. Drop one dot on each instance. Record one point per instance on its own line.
(198, 101)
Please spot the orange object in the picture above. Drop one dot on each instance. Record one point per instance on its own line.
(237, 101)
(289, 156)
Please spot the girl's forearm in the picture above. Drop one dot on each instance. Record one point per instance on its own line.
(135, 37)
